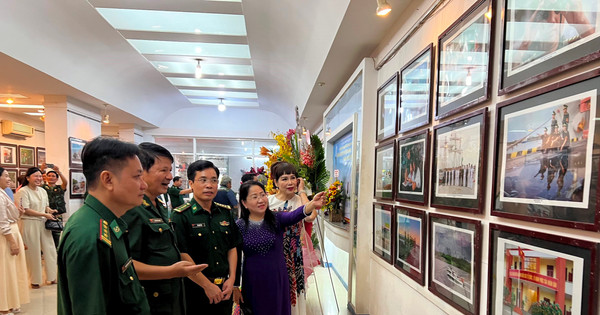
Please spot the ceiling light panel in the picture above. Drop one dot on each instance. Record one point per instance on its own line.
(211, 83)
(191, 49)
(175, 22)
(207, 68)
(219, 94)
(228, 103)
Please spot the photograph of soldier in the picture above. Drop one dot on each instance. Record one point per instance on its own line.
(458, 162)
(412, 157)
(546, 156)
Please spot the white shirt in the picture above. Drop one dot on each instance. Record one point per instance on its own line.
(36, 200)
(277, 205)
(9, 213)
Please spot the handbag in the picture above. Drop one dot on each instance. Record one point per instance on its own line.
(56, 226)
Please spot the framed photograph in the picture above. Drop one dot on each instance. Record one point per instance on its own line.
(459, 147)
(411, 244)
(26, 156)
(416, 85)
(41, 155)
(547, 152)
(22, 171)
(537, 273)
(454, 261)
(8, 156)
(12, 173)
(412, 157)
(382, 231)
(543, 38)
(387, 106)
(463, 60)
(75, 147)
(78, 184)
(384, 171)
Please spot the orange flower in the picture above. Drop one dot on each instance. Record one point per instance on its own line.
(264, 151)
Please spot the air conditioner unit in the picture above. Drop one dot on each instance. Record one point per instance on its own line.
(16, 129)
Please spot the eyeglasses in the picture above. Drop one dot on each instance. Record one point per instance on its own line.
(204, 180)
(256, 197)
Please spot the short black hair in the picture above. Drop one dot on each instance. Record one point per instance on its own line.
(29, 172)
(150, 152)
(245, 214)
(176, 178)
(105, 153)
(247, 177)
(281, 168)
(200, 166)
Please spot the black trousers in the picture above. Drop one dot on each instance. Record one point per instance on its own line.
(197, 303)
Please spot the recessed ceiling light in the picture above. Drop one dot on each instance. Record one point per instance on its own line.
(162, 67)
(221, 92)
(221, 73)
(198, 49)
(159, 50)
(21, 106)
(222, 85)
(155, 26)
(10, 101)
(197, 31)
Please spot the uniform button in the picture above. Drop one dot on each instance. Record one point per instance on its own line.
(213, 232)
(131, 278)
(199, 234)
(155, 294)
(215, 247)
(217, 262)
(160, 230)
(226, 232)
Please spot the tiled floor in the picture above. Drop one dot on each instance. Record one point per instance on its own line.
(43, 300)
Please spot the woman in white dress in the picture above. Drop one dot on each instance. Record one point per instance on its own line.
(34, 200)
(13, 268)
(285, 179)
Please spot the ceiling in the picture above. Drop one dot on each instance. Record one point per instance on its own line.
(264, 57)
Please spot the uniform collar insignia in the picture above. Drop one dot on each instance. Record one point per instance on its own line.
(224, 223)
(105, 233)
(195, 208)
(162, 202)
(116, 229)
(145, 203)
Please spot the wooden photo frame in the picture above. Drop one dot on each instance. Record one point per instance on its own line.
(416, 88)
(455, 261)
(464, 55)
(385, 171)
(410, 246)
(8, 155)
(40, 156)
(535, 272)
(547, 155)
(383, 231)
(544, 38)
(12, 173)
(387, 107)
(459, 163)
(26, 156)
(75, 148)
(77, 184)
(412, 158)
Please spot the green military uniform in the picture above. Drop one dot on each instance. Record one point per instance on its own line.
(56, 200)
(176, 197)
(152, 242)
(207, 237)
(95, 270)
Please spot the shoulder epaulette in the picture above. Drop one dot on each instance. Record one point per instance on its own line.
(105, 233)
(222, 205)
(183, 207)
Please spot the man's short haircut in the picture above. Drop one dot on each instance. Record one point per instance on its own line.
(150, 152)
(247, 177)
(176, 178)
(200, 166)
(103, 154)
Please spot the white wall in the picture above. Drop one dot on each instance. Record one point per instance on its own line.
(38, 137)
(237, 163)
(337, 246)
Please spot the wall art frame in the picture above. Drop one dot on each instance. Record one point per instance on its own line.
(527, 266)
(410, 242)
(464, 55)
(412, 158)
(13, 174)
(40, 154)
(75, 147)
(385, 171)
(558, 142)
(459, 163)
(416, 90)
(26, 156)
(8, 155)
(528, 55)
(77, 184)
(383, 231)
(455, 261)
(387, 109)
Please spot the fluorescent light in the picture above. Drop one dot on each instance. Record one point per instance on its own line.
(21, 106)
(34, 114)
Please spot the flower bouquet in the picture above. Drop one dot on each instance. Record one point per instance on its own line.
(335, 201)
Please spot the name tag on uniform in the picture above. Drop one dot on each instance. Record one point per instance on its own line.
(156, 220)
(126, 265)
(198, 225)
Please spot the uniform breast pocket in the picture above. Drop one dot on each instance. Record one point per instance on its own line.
(159, 237)
(129, 287)
(199, 236)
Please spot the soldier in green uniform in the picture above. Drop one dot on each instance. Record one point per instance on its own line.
(207, 234)
(95, 270)
(155, 255)
(176, 193)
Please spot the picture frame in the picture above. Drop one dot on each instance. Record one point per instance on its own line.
(455, 261)
(385, 171)
(412, 158)
(530, 270)
(382, 231)
(387, 107)
(22, 172)
(543, 39)
(26, 156)
(75, 147)
(8, 155)
(459, 164)
(77, 184)
(40, 155)
(464, 55)
(12, 173)
(416, 89)
(558, 184)
(410, 242)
